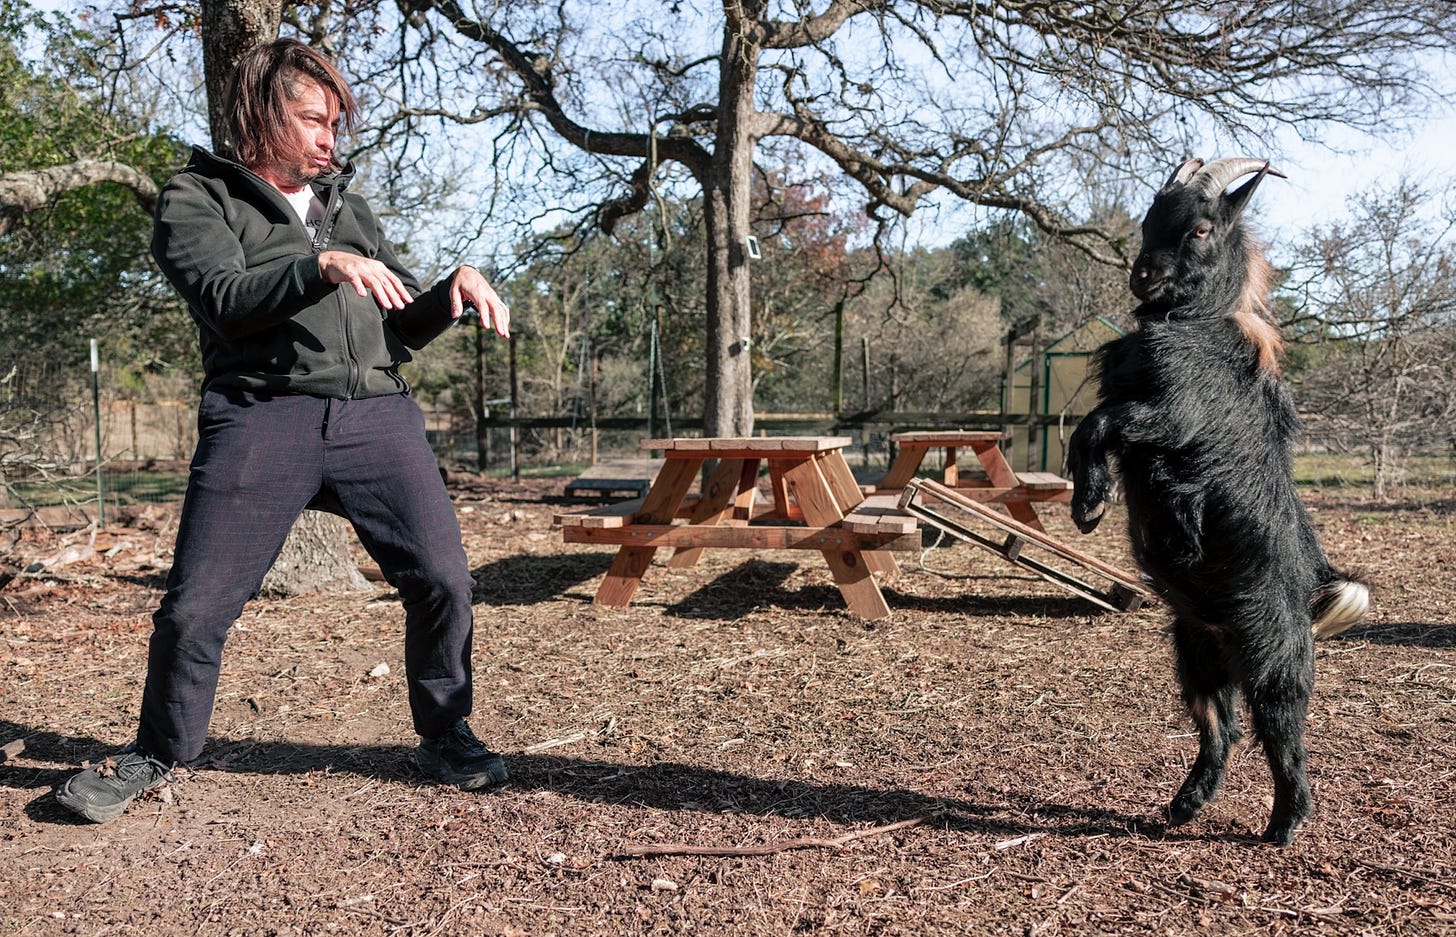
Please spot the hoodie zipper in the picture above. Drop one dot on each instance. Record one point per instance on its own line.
(326, 232)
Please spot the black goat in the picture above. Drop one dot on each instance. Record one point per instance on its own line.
(1194, 410)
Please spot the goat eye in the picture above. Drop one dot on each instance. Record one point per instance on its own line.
(1203, 231)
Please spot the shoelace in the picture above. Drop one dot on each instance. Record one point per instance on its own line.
(133, 763)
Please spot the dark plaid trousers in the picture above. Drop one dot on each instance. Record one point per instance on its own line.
(260, 460)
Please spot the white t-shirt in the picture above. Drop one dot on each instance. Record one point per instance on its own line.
(309, 208)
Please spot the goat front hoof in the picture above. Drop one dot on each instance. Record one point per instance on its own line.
(1282, 825)
(1088, 517)
(1182, 809)
(1280, 834)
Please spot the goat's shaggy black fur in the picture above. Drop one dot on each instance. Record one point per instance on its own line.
(1194, 411)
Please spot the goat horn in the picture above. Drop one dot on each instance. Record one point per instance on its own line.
(1183, 173)
(1216, 176)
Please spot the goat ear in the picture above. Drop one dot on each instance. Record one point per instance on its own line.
(1236, 201)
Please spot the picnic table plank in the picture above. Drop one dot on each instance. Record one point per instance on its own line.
(659, 507)
(744, 446)
(949, 437)
(810, 484)
(719, 494)
(1002, 485)
(659, 536)
(810, 490)
(614, 476)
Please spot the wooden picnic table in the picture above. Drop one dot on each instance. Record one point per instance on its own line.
(813, 503)
(1018, 492)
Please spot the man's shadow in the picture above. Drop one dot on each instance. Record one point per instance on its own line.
(661, 786)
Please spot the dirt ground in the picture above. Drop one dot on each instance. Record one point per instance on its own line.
(994, 758)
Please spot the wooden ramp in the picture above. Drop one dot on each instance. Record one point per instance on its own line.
(615, 479)
(951, 511)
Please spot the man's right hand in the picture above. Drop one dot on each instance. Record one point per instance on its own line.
(367, 276)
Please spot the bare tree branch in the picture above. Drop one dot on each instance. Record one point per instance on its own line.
(27, 191)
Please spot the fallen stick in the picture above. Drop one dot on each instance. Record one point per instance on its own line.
(552, 743)
(838, 842)
(1408, 873)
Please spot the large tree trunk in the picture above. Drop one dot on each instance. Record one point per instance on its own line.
(728, 401)
(316, 556)
(229, 29)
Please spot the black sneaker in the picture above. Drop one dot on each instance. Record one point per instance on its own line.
(459, 758)
(102, 792)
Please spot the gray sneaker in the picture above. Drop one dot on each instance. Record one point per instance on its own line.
(102, 792)
(459, 758)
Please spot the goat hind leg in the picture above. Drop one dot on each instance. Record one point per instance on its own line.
(1217, 719)
(1210, 692)
(1278, 711)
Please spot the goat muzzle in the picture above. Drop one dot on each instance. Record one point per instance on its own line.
(1142, 281)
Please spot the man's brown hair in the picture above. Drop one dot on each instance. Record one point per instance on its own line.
(267, 77)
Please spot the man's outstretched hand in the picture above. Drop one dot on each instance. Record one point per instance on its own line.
(468, 286)
(367, 276)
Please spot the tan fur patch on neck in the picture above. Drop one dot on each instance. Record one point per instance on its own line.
(1252, 314)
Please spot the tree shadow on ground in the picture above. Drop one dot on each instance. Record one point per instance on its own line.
(1403, 634)
(753, 583)
(758, 583)
(1397, 505)
(664, 786)
(531, 580)
(156, 582)
(969, 603)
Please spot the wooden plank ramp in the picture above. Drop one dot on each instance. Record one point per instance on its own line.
(951, 511)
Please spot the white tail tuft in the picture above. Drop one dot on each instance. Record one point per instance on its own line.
(1339, 606)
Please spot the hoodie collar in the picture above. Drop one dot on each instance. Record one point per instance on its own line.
(203, 158)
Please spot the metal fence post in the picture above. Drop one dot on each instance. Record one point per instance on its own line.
(96, 408)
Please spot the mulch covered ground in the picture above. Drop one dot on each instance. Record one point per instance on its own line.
(994, 758)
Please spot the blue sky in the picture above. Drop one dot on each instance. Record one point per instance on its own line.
(1320, 181)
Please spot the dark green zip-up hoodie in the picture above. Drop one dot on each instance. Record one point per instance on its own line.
(268, 320)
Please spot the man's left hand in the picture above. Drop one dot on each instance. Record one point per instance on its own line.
(468, 286)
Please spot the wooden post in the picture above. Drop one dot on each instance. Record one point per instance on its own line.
(1008, 382)
(1033, 399)
(838, 358)
(477, 405)
(652, 381)
(592, 396)
(181, 439)
(515, 408)
(864, 431)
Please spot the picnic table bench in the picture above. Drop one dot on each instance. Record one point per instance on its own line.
(1018, 492)
(813, 503)
(614, 479)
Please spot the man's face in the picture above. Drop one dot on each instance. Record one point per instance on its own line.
(313, 116)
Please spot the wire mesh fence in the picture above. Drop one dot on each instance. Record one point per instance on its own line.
(70, 436)
(72, 441)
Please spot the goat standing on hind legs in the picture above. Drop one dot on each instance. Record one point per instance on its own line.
(1194, 411)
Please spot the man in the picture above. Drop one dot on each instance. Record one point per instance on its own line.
(304, 316)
